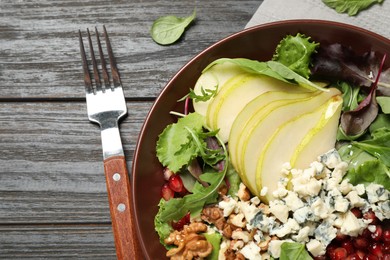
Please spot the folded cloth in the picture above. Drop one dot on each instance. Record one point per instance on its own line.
(376, 18)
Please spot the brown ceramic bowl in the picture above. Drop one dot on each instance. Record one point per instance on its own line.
(254, 43)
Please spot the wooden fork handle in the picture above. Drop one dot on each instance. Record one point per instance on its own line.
(119, 196)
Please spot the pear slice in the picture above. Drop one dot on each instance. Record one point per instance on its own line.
(258, 131)
(298, 132)
(213, 78)
(235, 95)
(320, 139)
(253, 112)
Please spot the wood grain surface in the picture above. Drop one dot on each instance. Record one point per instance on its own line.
(53, 198)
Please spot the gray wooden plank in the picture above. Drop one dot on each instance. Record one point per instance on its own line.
(57, 242)
(40, 53)
(51, 162)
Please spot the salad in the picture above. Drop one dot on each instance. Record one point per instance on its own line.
(282, 159)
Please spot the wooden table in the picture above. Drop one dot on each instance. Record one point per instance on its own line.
(53, 199)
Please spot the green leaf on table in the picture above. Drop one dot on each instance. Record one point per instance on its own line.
(168, 29)
(293, 251)
(352, 7)
(295, 52)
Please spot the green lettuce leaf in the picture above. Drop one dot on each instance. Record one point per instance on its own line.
(215, 240)
(174, 146)
(384, 103)
(295, 52)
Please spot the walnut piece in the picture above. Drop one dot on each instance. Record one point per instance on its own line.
(214, 215)
(190, 244)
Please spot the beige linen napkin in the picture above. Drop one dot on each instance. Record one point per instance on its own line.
(376, 18)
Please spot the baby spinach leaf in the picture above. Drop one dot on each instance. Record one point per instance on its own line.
(272, 69)
(295, 52)
(352, 7)
(168, 29)
(294, 251)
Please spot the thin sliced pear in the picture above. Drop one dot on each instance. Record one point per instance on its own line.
(234, 97)
(255, 110)
(282, 145)
(252, 113)
(320, 139)
(260, 129)
(215, 77)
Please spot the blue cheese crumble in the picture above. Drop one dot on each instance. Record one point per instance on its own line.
(316, 206)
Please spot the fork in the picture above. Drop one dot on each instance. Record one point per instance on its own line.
(106, 105)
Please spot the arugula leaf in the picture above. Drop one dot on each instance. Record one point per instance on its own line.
(295, 52)
(352, 7)
(206, 94)
(168, 29)
(174, 146)
(294, 251)
(272, 69)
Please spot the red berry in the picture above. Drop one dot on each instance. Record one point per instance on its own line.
(339, 253)
(175, 183)
(166, 192)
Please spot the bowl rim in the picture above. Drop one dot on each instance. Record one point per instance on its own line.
(187, 64)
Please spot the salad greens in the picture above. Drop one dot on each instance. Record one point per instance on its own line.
(184, 147)
(352, 7)
(168, 29)
(294, 251)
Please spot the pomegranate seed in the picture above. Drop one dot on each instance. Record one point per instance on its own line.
(347, 245)
(175, 183)
(377, 234)
(183, 221)
(366, 233)
(330, 250)
(357, 212)
(166, 192)
(354, 256)
(371, 215)
(339, 253)
(167, 173)
(360, 254)
(386, 236)
(370, 257)
(375, 249)
(340, 236)
(360, 243)
(320, 257)
(386, 248)
(386, 257)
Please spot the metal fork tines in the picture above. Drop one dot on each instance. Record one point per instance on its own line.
(105, 102)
